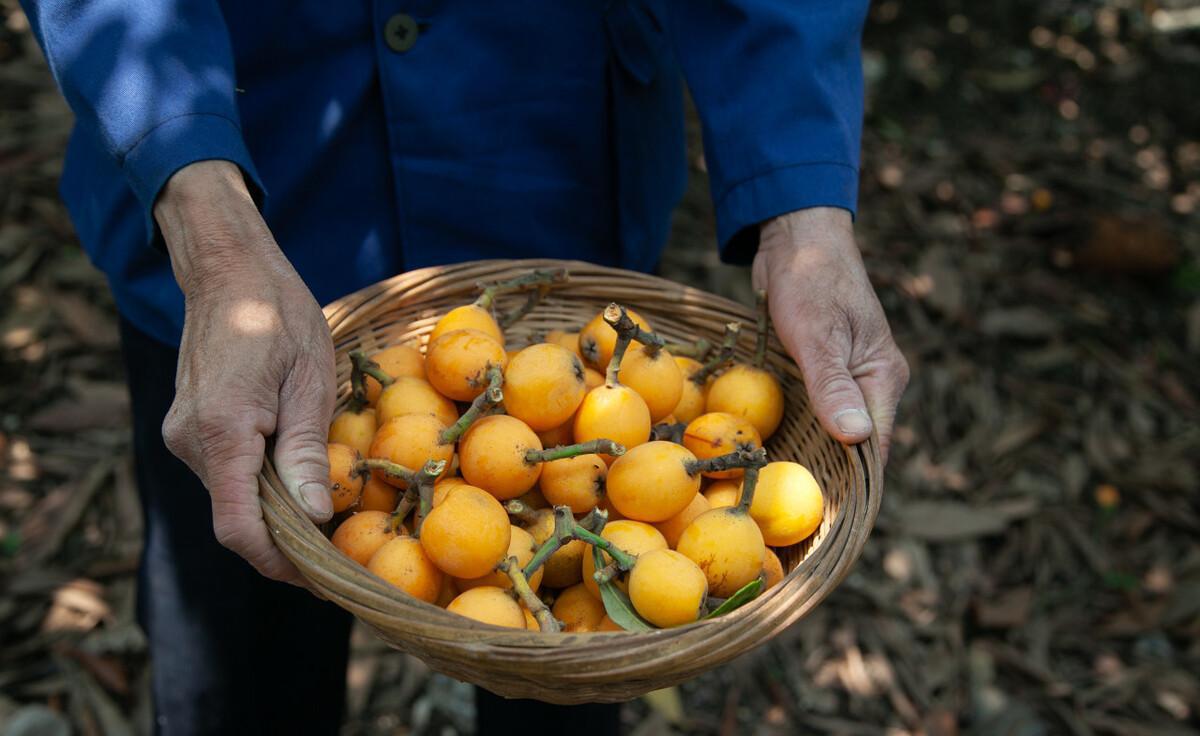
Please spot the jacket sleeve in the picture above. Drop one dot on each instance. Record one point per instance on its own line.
(151, 81)
(778, 85)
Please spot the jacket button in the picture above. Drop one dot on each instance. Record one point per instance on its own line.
(400, 33)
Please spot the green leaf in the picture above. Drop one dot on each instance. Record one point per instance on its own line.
(1120, 580)
(10, 544)
(747, 593)
(616, 604)
(620, 609)
(1186, 278)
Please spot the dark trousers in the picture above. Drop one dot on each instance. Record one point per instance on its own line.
(233, 652)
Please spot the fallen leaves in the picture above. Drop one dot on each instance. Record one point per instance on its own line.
(947, 521)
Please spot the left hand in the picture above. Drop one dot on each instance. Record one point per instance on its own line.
(828, 317)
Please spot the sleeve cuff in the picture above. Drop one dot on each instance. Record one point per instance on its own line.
(747, 204)
(180, 141)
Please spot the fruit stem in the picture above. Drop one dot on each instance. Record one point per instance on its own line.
(358, 389)
(616, 317)
(424, 506)
(564, 525)
(695, 350)
(586, 529)
(535, 298)
(724, 355)
(669, 432)
(592, 447)
(404, 507)
(520, 583)
(483, 403)
(371, 368)
(540, 278)
(594, 520)
(750, 480)
(730, 461)
(760, 343)
(387, 467)
(625, 326)
(607, 573)
(521, 511)
(624, 560)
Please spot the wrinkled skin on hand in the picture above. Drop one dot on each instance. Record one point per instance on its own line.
(256, 360)
(828, 317)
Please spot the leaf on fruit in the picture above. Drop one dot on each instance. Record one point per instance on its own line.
(620, 609)
(745, 594)
(617, 604)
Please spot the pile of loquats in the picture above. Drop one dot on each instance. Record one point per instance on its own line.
(601, 480)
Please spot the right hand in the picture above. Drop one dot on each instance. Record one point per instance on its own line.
(256, 359)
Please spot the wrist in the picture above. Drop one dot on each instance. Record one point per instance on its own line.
(197, 187)
(813, 226)
(210, 224)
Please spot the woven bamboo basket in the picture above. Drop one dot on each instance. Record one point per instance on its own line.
(575, 668)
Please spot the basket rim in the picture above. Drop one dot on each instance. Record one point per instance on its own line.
(855, 517)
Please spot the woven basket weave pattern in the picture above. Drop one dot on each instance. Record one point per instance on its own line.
(574, 668)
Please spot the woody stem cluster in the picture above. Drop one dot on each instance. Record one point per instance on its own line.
(520, 583)
(724, 355)
(364, 364)
(483, 403)
(539, 278)
(760, 343)
(566, 529)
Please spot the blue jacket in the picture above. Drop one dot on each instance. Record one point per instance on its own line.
(384, 136)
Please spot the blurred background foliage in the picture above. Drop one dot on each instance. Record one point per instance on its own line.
(1030, 202)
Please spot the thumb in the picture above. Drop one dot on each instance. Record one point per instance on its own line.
(836, 397)
(301, 451)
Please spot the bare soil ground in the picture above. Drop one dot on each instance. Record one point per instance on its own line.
(1030, 203)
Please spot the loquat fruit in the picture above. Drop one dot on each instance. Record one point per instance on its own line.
(655, 376)
(409, 440)
(772, 569)
(577, 482)
(788, 505)
(378, 495)
(718, 433)
(578, 610)
(749, 392)
(489, 605)
(728, 547)
(569, 340)
(408, 395)
(563, 434)
(653, 481)
(666, 588)
(467, 533)
(520, 546)
(457, 362)
(361, 535)
(403, 563)
(673, 527)
(345, 480)
(354, 429)
(396, 361)
(543, 386)
(632, 537)
(723, 493)
(597, 339)
(468, 317)
(693, 394)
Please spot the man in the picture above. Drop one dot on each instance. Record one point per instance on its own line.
(274, 156)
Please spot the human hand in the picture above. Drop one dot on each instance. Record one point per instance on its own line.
(828, 317)
(256, 359)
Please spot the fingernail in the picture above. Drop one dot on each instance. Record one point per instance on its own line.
(314, 496)
(853, 421)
